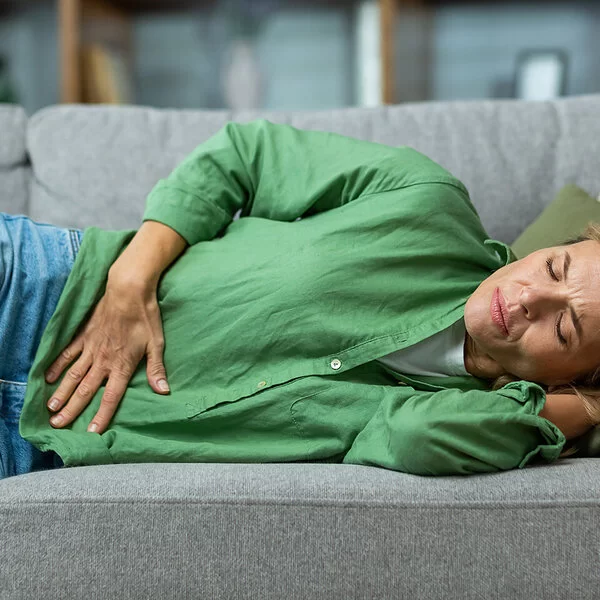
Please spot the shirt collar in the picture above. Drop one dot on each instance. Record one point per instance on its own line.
(504, 251)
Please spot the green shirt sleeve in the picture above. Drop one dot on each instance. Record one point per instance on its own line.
(279, 172)
(454, 432)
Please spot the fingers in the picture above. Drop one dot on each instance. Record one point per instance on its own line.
(83, 394)
(110, 347)
(83, 380)
(155, 369)
(113, 393)
(75, 391)
(67, 356)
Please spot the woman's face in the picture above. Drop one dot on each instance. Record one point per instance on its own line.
(536, 294)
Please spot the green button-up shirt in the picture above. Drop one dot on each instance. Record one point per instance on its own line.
(345, 251)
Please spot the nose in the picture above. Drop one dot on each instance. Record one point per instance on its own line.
(538, 300)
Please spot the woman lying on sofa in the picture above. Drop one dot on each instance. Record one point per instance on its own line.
(356, 313)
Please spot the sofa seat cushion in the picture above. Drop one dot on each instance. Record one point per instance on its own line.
(270, 531)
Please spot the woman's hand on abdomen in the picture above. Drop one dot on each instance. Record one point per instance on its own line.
(124, 327)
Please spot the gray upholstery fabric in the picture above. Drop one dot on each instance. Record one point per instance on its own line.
(314, 531)
(14, 172)
(14, 182)
(13, 121)
(299, 531)
(95, 165)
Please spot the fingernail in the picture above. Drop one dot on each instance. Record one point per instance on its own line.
(93, 428)
(53, 404)
(56, 420)
(163, 385)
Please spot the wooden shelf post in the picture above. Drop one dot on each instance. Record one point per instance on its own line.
(69, 27)
(81, 22)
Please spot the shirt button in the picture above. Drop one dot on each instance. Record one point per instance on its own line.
(336, 364)
(261, 384)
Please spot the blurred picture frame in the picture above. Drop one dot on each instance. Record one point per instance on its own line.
(541, 74)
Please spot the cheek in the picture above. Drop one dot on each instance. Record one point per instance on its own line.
(536, 353)
(478, 319)
(482, 296)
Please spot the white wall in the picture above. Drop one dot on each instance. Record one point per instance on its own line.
(475, 49)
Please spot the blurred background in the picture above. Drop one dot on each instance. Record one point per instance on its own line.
(290, 55)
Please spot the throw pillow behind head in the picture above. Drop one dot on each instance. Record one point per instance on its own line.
(564, 218)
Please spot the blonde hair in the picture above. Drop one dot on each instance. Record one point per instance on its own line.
(585, 386)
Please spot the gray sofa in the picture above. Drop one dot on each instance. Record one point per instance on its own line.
(298, 530)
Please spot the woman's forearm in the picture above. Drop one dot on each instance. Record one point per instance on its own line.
(568, 413)
(153, 248)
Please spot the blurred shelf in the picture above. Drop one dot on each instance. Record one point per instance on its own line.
(84, 26)
(85, 23)
(96, 39)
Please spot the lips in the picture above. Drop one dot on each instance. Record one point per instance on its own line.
(498, 311)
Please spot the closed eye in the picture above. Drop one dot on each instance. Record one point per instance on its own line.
(560, 336)
(550, 269)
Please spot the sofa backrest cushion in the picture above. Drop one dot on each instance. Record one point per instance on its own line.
(14, 168)
(94, 165)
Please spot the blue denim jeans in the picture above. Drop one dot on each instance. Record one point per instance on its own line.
(35, 261)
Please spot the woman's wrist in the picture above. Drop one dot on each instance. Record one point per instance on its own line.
(568, 413)
(151, 251)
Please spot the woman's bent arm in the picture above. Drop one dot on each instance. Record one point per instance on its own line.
(568, 413)
(456, 432)
(278, 172)
(153, 248)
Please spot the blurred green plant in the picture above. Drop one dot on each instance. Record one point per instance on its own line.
(7, 92)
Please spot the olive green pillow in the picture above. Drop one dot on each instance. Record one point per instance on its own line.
(564, 218)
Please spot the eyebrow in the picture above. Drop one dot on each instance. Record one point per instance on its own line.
(574, 316)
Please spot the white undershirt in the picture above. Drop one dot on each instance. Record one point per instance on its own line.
(439, 355)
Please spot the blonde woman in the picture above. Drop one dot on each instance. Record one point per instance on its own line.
(357, 312)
